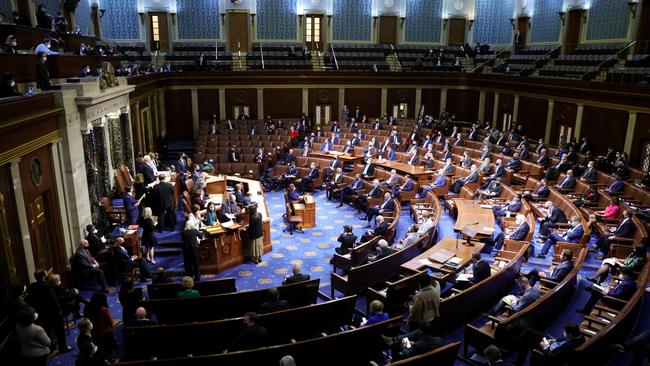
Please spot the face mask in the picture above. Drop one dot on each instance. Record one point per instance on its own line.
(14, 44)
(35, 316)
(13, 83)
(44, 59)
(95, 231)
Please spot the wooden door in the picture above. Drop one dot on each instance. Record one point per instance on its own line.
(158, 32)
(314, 32)
(23, 9)
(456, 31)
(238, 31)
(574, 29)
(388, 29)
(643, 31)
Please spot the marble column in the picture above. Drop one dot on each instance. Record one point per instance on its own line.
(629, 136)
(418, 103)
(260, 103)
(195, 112)
(384, 101)
(305, 101)
(579, 114)
(21, 210)
(127, 138)
(222, 104)
(495, 112)
(549, 122)
(68, 237)
(515, 110)
(481, 105)
(443, 100)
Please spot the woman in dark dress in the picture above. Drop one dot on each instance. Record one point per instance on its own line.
(140, 190)
(97, 312)
(191, 236)
(149, 241)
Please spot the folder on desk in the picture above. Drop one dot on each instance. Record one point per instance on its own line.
(486, 206)
(298, 206)
(453, 262)
(441, 256)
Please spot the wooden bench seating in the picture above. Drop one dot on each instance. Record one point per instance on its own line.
(222, 306)
(319, 351)
(205, 288)
(498, 330)
(358, 279)
(443, 356)
(167, 341)
(355, 257)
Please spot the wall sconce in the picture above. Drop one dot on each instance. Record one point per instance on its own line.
(444, 22)
(471, 23)
(633, 6)
(173, 18)
(253, 19)
(402, 24)
(583, 12)
(101, 13)
(512, 22)
(329, 20)
(374, 21)
(300, 19)
(562, 16)
(141, 14)
(223, 18)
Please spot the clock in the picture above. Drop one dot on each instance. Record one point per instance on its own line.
(389, 3)
(236, 2)
(458, 5)
(314, 2)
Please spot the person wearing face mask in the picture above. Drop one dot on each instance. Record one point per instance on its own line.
(85, 71)
(44, 47)
(91, 355)
(42, 73)
(43, 19)
(8, 86)
(10, 44)
(34, 342)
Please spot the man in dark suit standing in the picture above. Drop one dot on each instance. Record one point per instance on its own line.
(163, 193)
(297, 275)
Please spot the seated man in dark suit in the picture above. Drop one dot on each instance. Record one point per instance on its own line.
(512, 207)
(590, 173)
(555, 274)
(407, 186)
(480, 271)
(126, 262)
(555, 351)
(233, 156)
(490, 189)
(333, 183)
(252, 336)
(331, 168)
(88, 264)
(625, 229)
(622, 291)
(95, 242)
(617, 186)
(362, 200)
(553, 215)
(519, 233)
(514, 164)
(297, 275)
(470, 178)
(292, 194)
(419, 341)
(517, 303)
(380, 229)
(289, 175)
(351, 189)
(386, 206)
(383, 250)
(309, 178)
(368, 169)
(568, 183)
(573, 235)
(540, 192)
(440, 181)
(413, 158)
(273, 302)
(141, 319)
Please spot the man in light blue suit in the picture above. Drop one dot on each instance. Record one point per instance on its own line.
(440, 181)
(513, 207)
(530, 295)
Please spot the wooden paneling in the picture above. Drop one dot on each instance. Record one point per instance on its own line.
(367, 99)
(388, 29)
(431, 100)
(397, 96)
(641, 135)
(39, 195)
(506, 106)
(463, 103)
(489, 107)
(563, 114)
(574, 19)
(522, 24)
(324, 96)
(283, 103)
(238, 31)
(178, 114)
(208, 103)
(532, 115)
(241, 97)
(604, 127)
(456, 31)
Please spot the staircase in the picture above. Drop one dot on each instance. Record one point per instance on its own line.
(318, 61)
(239, 62)
(393, 63)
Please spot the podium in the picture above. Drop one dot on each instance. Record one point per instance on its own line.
(307, 211)
(221, 248)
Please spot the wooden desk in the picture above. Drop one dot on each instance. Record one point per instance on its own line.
(221, 249)
(416, 171)
(345, 158)
(132, 241)
(464, 252)
(470, 212)
(307, 211)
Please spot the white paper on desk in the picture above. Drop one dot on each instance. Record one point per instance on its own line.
(464, 277)
(488, 229)
(231, 216)
(227, 224)
(486, 206)
(511, 300)
(424, 262)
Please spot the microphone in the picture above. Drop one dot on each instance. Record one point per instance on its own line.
(461, 232)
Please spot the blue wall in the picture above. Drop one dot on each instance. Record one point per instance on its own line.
(607, 19)
(121, 20)
(5, 8)
(352, 20)
(545, 23)
(277, 19)
(423, 18)
(492, 24)
(198, 19)
(82, 17)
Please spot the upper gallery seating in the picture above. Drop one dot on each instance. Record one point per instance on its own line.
(277, 56)
(360, 56)
(186, 56)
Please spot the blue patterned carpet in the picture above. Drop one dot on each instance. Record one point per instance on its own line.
(314, 249)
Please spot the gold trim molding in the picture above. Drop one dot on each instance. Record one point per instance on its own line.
(18, 151)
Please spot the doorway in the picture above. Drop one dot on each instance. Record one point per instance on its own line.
(314, 32)
(158, 32)
(238, 31)
(241, 110)
(400, 110)
(323, 114)
(566, 132)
